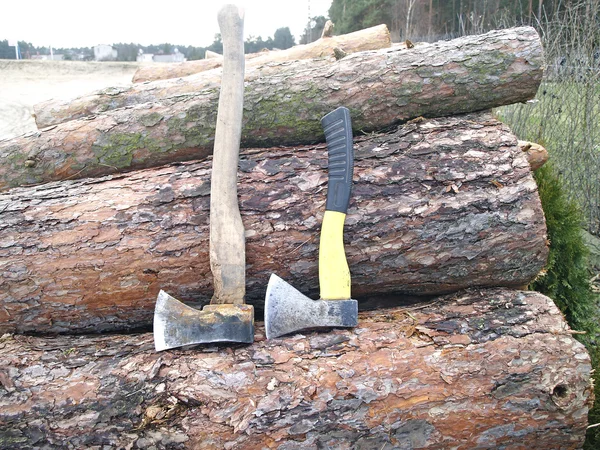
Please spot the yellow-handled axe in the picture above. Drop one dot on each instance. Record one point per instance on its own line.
(286, 309)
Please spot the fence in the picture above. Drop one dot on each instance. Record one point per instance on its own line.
(565, 115)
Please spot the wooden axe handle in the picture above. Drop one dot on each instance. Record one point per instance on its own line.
(227, 240)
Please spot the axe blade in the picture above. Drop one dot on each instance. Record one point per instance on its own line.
(287, 310)
(178, 325)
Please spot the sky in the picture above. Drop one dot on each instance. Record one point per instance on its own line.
(76, 23)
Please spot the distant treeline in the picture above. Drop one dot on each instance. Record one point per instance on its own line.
(407, 19)
(441, 19)
(282, 39)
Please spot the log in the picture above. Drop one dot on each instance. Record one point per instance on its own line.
(380, 89)
(54, 112)
(423, 62)
(372, 38)
(483, 369)
(437, 206)
(209, 54)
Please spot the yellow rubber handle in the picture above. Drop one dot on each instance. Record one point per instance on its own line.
(334, 274)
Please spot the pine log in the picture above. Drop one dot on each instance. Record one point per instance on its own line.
(482, 369)
(437, 206)
(209, 54)
(372, 38)
(448, 66)
(380, 89)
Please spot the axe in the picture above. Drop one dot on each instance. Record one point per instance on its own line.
(286, 309)
(227, 318)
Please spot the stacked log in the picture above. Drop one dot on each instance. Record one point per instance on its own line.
(444, 212)
(484, 369)
(437, 207)
(282, 106)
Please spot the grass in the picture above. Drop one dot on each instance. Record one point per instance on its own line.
(565, 118)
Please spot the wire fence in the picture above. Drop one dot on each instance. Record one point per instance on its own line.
(565, 115)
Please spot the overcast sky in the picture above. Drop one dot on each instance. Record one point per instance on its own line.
(76, 23)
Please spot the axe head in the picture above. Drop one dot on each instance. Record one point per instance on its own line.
(178, 325)
(287, 310)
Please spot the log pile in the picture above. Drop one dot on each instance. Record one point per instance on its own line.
(108, 203)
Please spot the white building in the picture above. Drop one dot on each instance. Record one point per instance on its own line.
(176, 56)
(104, 52)
(145, 57)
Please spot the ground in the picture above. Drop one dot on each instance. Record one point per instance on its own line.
(25, 83)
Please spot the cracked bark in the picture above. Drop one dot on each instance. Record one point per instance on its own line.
(478, 369)
(174, 121)
(438, 205)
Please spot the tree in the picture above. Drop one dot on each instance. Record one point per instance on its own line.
(355, 15)
(126, 52)
(255, 44)
(316, 29)
(193, 53)
(217, 45)
(166, 48)
(283, 38)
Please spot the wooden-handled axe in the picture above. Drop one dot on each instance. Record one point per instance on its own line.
(227, 318)
(286, 309)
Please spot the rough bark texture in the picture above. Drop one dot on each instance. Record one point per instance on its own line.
(368, 39)
(437, 205)
(480, 369)
(380, 88)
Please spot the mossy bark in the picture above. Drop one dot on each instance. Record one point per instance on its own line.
(480, 369)
(437, 206)
(283, 106)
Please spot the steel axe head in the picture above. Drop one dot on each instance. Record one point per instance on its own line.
(288, 310)
(178, 325)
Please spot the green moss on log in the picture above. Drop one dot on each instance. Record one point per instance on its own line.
(118, 149)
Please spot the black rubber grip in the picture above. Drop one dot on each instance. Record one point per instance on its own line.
(338, 133)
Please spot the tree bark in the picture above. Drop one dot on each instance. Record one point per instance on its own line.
(380, 89)
(437, 205)
(479, 369)
(372, 38)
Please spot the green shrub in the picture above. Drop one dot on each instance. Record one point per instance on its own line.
(566, 278)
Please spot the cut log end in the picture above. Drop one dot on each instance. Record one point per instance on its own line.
(327, 29)
(537, 155)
